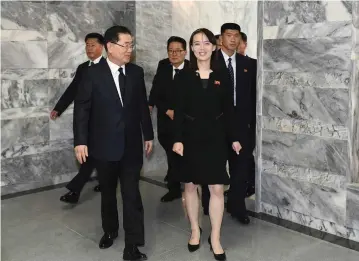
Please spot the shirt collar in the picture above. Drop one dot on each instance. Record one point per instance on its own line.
(179, 67)
(97, 60)
(226, 57)
(114, 67)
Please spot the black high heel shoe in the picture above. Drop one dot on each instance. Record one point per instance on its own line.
(192, 248)
(220, 257)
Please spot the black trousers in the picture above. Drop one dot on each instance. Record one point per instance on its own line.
(133, 215)
(79, 181)
(167, 144)
(238, 170)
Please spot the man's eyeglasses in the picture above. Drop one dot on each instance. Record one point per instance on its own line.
(130, 46)
(175, 51)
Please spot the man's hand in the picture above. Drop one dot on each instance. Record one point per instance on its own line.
(178, 148)
(54, 114)
(150, 108)
(81, 152)
(236, 146)
(148, 147)
(170, 113)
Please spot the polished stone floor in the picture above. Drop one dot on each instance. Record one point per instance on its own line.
(38, 227)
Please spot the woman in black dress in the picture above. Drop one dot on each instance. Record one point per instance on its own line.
(203, 129)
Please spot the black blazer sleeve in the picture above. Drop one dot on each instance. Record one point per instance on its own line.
(69, 95)
(178, 105)
(82, 110)
(146, 122)
(253, 104)
(154, 92)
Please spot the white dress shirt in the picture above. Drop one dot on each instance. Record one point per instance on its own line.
(179, 67)
(96, 61)
(115, 73)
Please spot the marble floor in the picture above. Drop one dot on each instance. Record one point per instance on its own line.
(38, 227)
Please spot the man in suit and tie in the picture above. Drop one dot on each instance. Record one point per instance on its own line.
(94, 48)
(161, 96)
(250, 190)
(111, 116)
(239, 69)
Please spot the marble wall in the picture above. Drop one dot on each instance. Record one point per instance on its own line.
(42, 43)
(307, 114)
(156, 21)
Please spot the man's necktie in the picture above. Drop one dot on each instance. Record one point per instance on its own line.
(90, 63)
(231, 73)
(176, 72)
(122, 83)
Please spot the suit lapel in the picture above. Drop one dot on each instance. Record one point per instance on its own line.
(109, 79)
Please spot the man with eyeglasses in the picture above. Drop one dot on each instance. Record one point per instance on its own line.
(111, 116)
(94, 48)
(161, 96)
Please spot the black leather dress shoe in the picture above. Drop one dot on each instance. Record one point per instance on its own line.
(133, 254)
(170, 196)
(97, 188)
(70, 197)
(107, 240)
(243, 219)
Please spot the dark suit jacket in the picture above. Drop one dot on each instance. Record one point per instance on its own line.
(245, 84)
(69, 95)
(162, 95)
(102, 123)
(254, 104)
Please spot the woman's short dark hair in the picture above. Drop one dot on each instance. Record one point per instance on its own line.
(212, 40)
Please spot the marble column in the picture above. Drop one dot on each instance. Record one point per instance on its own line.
(41, 46)
(307, 103)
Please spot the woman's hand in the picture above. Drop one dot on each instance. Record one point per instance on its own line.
(178, 148)
(236, 146)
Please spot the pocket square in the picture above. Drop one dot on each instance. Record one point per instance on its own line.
(245, 70)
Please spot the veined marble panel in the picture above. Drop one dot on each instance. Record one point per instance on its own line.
(276, 211)
(308, 127)
(307, 55)
(353, 206)
(303, 197)
(56, 90)
(356, 14)
(32, 168)
(26, 131)
(29, 112)
(24, 74)
(66, 55)
(298, 12)
(326, 29)
(22, 35)
(31, 54)
(71, 21)
(62, 127)
(306, 151)
(26, 93)
(335, 80)
(320, 178)
(38, 148)
(20, 15)
(325, 105)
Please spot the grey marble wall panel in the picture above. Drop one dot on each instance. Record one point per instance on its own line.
(339, 79)
(352, 217)
(307, 55)
(24, 74)
(24, 131)
(299, 12)
(56, 90)
(306, 151)
(62, 127)
(306, 198)
(35, 168)
(32, 54)
(325, 105)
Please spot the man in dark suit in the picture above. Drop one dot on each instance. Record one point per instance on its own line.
(161, 96)
(240, 71)
(250, 188)
(111, 115)
(94, 49)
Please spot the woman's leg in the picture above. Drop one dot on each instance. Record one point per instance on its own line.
(192, 203)
(216, 207)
